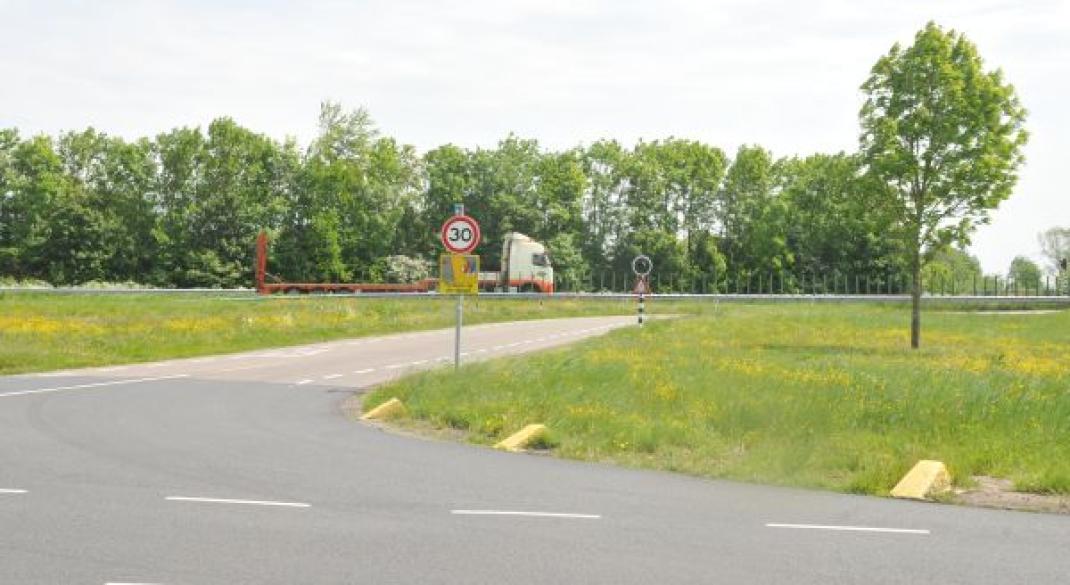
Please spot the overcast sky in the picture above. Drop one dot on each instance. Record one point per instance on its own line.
(784, 74)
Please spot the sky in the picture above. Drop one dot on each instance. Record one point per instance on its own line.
(781, 74)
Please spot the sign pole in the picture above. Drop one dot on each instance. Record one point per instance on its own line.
(458, 209)
(457, 333)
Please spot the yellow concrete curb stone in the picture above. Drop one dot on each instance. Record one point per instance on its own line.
(388, 409)
(521, 439)
(923, 480)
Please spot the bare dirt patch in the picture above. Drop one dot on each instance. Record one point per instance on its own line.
(993, 492)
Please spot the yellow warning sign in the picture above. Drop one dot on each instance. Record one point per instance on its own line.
(458, 274)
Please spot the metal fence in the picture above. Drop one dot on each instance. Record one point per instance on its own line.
(814, 284)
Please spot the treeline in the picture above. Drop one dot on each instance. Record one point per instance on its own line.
(183, 209)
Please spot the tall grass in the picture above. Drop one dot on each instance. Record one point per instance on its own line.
(43, 332)
(823, 396)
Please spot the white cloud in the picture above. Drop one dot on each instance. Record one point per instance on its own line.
(781, 74)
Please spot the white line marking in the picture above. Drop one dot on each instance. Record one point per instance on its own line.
(520, 513)
(418, 362)
(849, 528)
(484, 350)
(332, 376)
(239, 368)
(364, 371)
(93, 385)
(395, 366)
(244, 502)
(303, 382)
(125, 583)
(7, 491)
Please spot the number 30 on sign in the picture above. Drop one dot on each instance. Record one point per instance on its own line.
(460, 234)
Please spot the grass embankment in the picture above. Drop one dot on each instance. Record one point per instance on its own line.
(40, 332)
(821, 396)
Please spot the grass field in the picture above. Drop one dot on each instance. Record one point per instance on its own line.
(40, 332)
(811, 395)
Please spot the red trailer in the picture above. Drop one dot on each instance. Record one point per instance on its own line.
(526, 262)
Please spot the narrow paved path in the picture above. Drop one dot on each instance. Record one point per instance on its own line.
(242, 469)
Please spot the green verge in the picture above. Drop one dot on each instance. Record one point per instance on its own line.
(40, 332)
(826, 396)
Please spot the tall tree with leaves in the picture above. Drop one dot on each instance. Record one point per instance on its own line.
(1024, 274)
(1055, 244)
(941, 139)
(604, 211)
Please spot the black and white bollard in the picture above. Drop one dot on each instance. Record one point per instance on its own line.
(642, 267)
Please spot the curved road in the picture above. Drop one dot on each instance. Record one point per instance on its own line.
(243, 469)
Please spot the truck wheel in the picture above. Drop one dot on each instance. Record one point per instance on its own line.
(528, 287)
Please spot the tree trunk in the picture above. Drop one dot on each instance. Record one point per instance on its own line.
(915, 303)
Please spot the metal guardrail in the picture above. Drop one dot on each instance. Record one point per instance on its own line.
(73, 290)
(728, 298)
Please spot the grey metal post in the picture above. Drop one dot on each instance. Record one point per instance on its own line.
(458, 209)
(457, 333)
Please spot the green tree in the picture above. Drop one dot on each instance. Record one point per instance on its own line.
(1055, 245)
(10, 244)
(33, 181)
(942, 139)
(107, 214)
(753, 218)
(834, 233)
(603, 209)
(951, 270)
(1024, 274)
(447, 175)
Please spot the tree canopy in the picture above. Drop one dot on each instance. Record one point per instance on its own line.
(940, 147)
(941, 141)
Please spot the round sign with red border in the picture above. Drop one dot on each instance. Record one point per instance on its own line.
(460, 234)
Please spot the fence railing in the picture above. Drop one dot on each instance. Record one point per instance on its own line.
(808, 283)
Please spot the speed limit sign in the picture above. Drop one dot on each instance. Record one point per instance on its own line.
(460, 234)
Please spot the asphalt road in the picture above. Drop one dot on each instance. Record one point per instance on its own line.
(243, 469)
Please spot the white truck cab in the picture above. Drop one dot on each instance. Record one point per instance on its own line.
(526, 267)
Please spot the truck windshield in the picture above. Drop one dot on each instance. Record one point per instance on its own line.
(540, 259)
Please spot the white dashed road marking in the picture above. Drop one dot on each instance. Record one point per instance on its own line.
(521, 513)
(303, 382)
(241, 502)
(364, 371)
(332, 376)
(93, 385)
(9, 491)
(849, 528)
